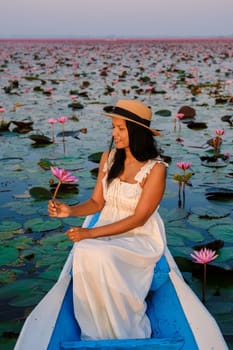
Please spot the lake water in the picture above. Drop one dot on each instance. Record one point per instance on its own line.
(38, 79)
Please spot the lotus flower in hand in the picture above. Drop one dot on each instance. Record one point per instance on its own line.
(63, 176)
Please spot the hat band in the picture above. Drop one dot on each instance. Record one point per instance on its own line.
(125, 113)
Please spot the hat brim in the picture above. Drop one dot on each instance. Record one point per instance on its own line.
(112, 115)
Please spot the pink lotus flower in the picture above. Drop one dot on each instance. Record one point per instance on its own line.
(184, 166)
(182, 180)
(217, 141)
(62, 120)
(52, 122)
(2, 110)
(219, 132)
(63, 176)
(204, 256)
(49, 89)
(73, 97)
(179, 115)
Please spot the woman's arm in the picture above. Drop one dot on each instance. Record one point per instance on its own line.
(152, 193)
(91, 206)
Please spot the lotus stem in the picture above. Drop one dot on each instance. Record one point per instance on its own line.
(56, 190)
(179, 197)
(204, 284)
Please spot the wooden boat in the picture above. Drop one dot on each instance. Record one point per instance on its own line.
(178, 318)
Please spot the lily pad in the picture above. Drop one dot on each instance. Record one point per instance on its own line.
(95, 157)
(45, 163)
(9, 255)
(197, 125)
(6, 235)
(163, 113)
(7, 276)
(189, 112)
(174, 240)
(17, 287)
(224, 232)
(9, 226)
(40, 225)
(41, 139)
(40, 193)
(180, 251)
(30, 298)
(17, 207)
(219, 193)
(219, 163)
(20, 242)
(45, 260)
(205, 223)
(52, 272)
(65, 246)
(225, 254)
(187, 233)
(210, 212)
(73, 221)
(176, 214)
(53, 239)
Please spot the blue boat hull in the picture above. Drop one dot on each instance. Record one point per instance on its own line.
(178, 319)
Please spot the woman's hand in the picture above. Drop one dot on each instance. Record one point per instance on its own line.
(76, 234)
(58, 209)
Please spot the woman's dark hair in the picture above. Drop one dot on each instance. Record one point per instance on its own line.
(142, 146)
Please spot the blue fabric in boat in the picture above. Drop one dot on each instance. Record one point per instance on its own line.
(160, 274)
(163, 308)
(135, 344)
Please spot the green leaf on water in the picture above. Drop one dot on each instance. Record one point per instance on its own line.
(40, 225)
(53, 239)
(175, 214)
(164, 112)
(6, 236)
(7, 276)
(40, 193)
(210, 212)
(73, 221)
(184, 233)
(31, 298)
(52, 272)
(224, 232)
(95, 157)
(9, 255)
(9, 226)
(225, 254)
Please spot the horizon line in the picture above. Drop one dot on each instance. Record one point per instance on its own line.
(114, 37)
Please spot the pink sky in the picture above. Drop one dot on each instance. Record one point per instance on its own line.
(94, 18)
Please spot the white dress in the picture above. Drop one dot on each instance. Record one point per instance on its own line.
(112, 275)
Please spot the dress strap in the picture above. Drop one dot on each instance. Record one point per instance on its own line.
(145, 170)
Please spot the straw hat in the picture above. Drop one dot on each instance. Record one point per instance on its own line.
(132, 110)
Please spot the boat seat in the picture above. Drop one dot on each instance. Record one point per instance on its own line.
(160, 276)
(135, 344)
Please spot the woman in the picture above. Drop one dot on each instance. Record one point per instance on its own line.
(113, 262)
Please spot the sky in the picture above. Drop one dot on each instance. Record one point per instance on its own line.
(116, 18)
